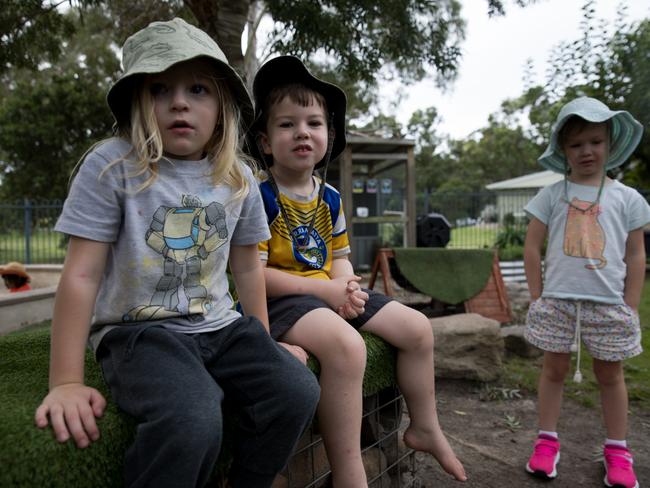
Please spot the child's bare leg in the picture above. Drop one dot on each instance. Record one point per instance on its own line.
(410, 332)
(551, 385)
(342, 356)
(613, 397)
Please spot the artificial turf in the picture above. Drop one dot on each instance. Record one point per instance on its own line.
(31, 457)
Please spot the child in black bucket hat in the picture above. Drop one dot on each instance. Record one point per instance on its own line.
(315, 300)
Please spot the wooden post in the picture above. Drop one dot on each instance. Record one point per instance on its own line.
(381, 264)
(410, 198)
(346, 192)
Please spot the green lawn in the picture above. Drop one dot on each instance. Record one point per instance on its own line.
(523, 373)
(475, 236)
(482, 237)
(45, 247)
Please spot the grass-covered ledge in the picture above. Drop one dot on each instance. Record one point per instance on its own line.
(31, 457)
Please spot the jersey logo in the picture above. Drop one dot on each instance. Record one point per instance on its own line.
(313, 250)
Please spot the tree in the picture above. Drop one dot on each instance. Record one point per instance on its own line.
(51, 114)
(631, 56)
(361, 35)
(499, 151)
(22, 24)
(49, 117)
(423, 127)
(432, 166)
(610, 65)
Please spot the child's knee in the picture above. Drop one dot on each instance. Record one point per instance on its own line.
(294, 397)
(421, 333)
(415, 332)
(556, 371)
(199, 430)
(303, 400)
(346, 352)
(301, 390)
(608, 373)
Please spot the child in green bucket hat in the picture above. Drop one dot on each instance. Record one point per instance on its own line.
(594, 274)
(154, 216)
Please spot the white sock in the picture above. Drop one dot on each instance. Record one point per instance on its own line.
(552, 434)
(612, 442)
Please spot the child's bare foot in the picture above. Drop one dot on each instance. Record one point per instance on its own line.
(435, 443)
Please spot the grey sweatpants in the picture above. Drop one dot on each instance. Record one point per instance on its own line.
(173, 385)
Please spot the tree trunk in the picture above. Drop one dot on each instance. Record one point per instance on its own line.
(224, 21)
(251, 63)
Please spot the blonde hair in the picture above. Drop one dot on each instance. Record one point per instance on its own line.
(223, 148)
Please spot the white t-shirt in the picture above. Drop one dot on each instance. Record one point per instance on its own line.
(585, 251)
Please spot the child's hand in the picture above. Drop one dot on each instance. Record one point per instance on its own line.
(298, 352)
(338, 293)
(72, 409)
(356, 303)
(355, 294)
(632, 302)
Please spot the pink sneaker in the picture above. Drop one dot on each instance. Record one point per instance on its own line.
(618, 467)
(546, 454)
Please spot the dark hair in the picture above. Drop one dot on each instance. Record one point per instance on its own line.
(576, 124)
(297, 93)
(15, 281)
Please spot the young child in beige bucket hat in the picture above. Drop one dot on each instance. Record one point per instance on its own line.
(154, 216)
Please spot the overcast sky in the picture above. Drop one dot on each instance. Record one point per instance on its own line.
(494, 57)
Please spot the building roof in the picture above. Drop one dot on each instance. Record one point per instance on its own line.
(533, 180)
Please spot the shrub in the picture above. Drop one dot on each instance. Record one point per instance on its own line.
(510, 236)
(511, 253)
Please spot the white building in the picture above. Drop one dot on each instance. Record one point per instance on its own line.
(515, 193)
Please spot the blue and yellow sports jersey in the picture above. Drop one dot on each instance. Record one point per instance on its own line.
(328, 239)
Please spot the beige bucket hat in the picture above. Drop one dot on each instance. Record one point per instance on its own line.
(161, 45)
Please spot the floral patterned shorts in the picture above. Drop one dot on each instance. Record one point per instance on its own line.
(610, 332)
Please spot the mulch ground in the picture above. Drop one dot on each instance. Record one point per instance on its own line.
(494, 439)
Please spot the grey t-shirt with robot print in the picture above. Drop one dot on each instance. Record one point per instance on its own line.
(169, 243)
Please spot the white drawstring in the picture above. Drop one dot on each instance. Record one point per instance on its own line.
(575, 347)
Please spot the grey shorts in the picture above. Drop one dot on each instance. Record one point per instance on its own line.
(610, 332)
(285, 311)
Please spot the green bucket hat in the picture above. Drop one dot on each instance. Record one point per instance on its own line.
(285, 70)
(158, 47)
(625, 133)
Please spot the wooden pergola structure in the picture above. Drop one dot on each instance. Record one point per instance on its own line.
(370, 157)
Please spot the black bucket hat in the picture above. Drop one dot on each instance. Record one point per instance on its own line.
(285, 70)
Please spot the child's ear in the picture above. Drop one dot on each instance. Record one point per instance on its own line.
(264, 141)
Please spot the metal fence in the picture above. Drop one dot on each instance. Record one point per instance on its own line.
(477, 220)
(27, 232)
(389, 463)
(484, 219)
